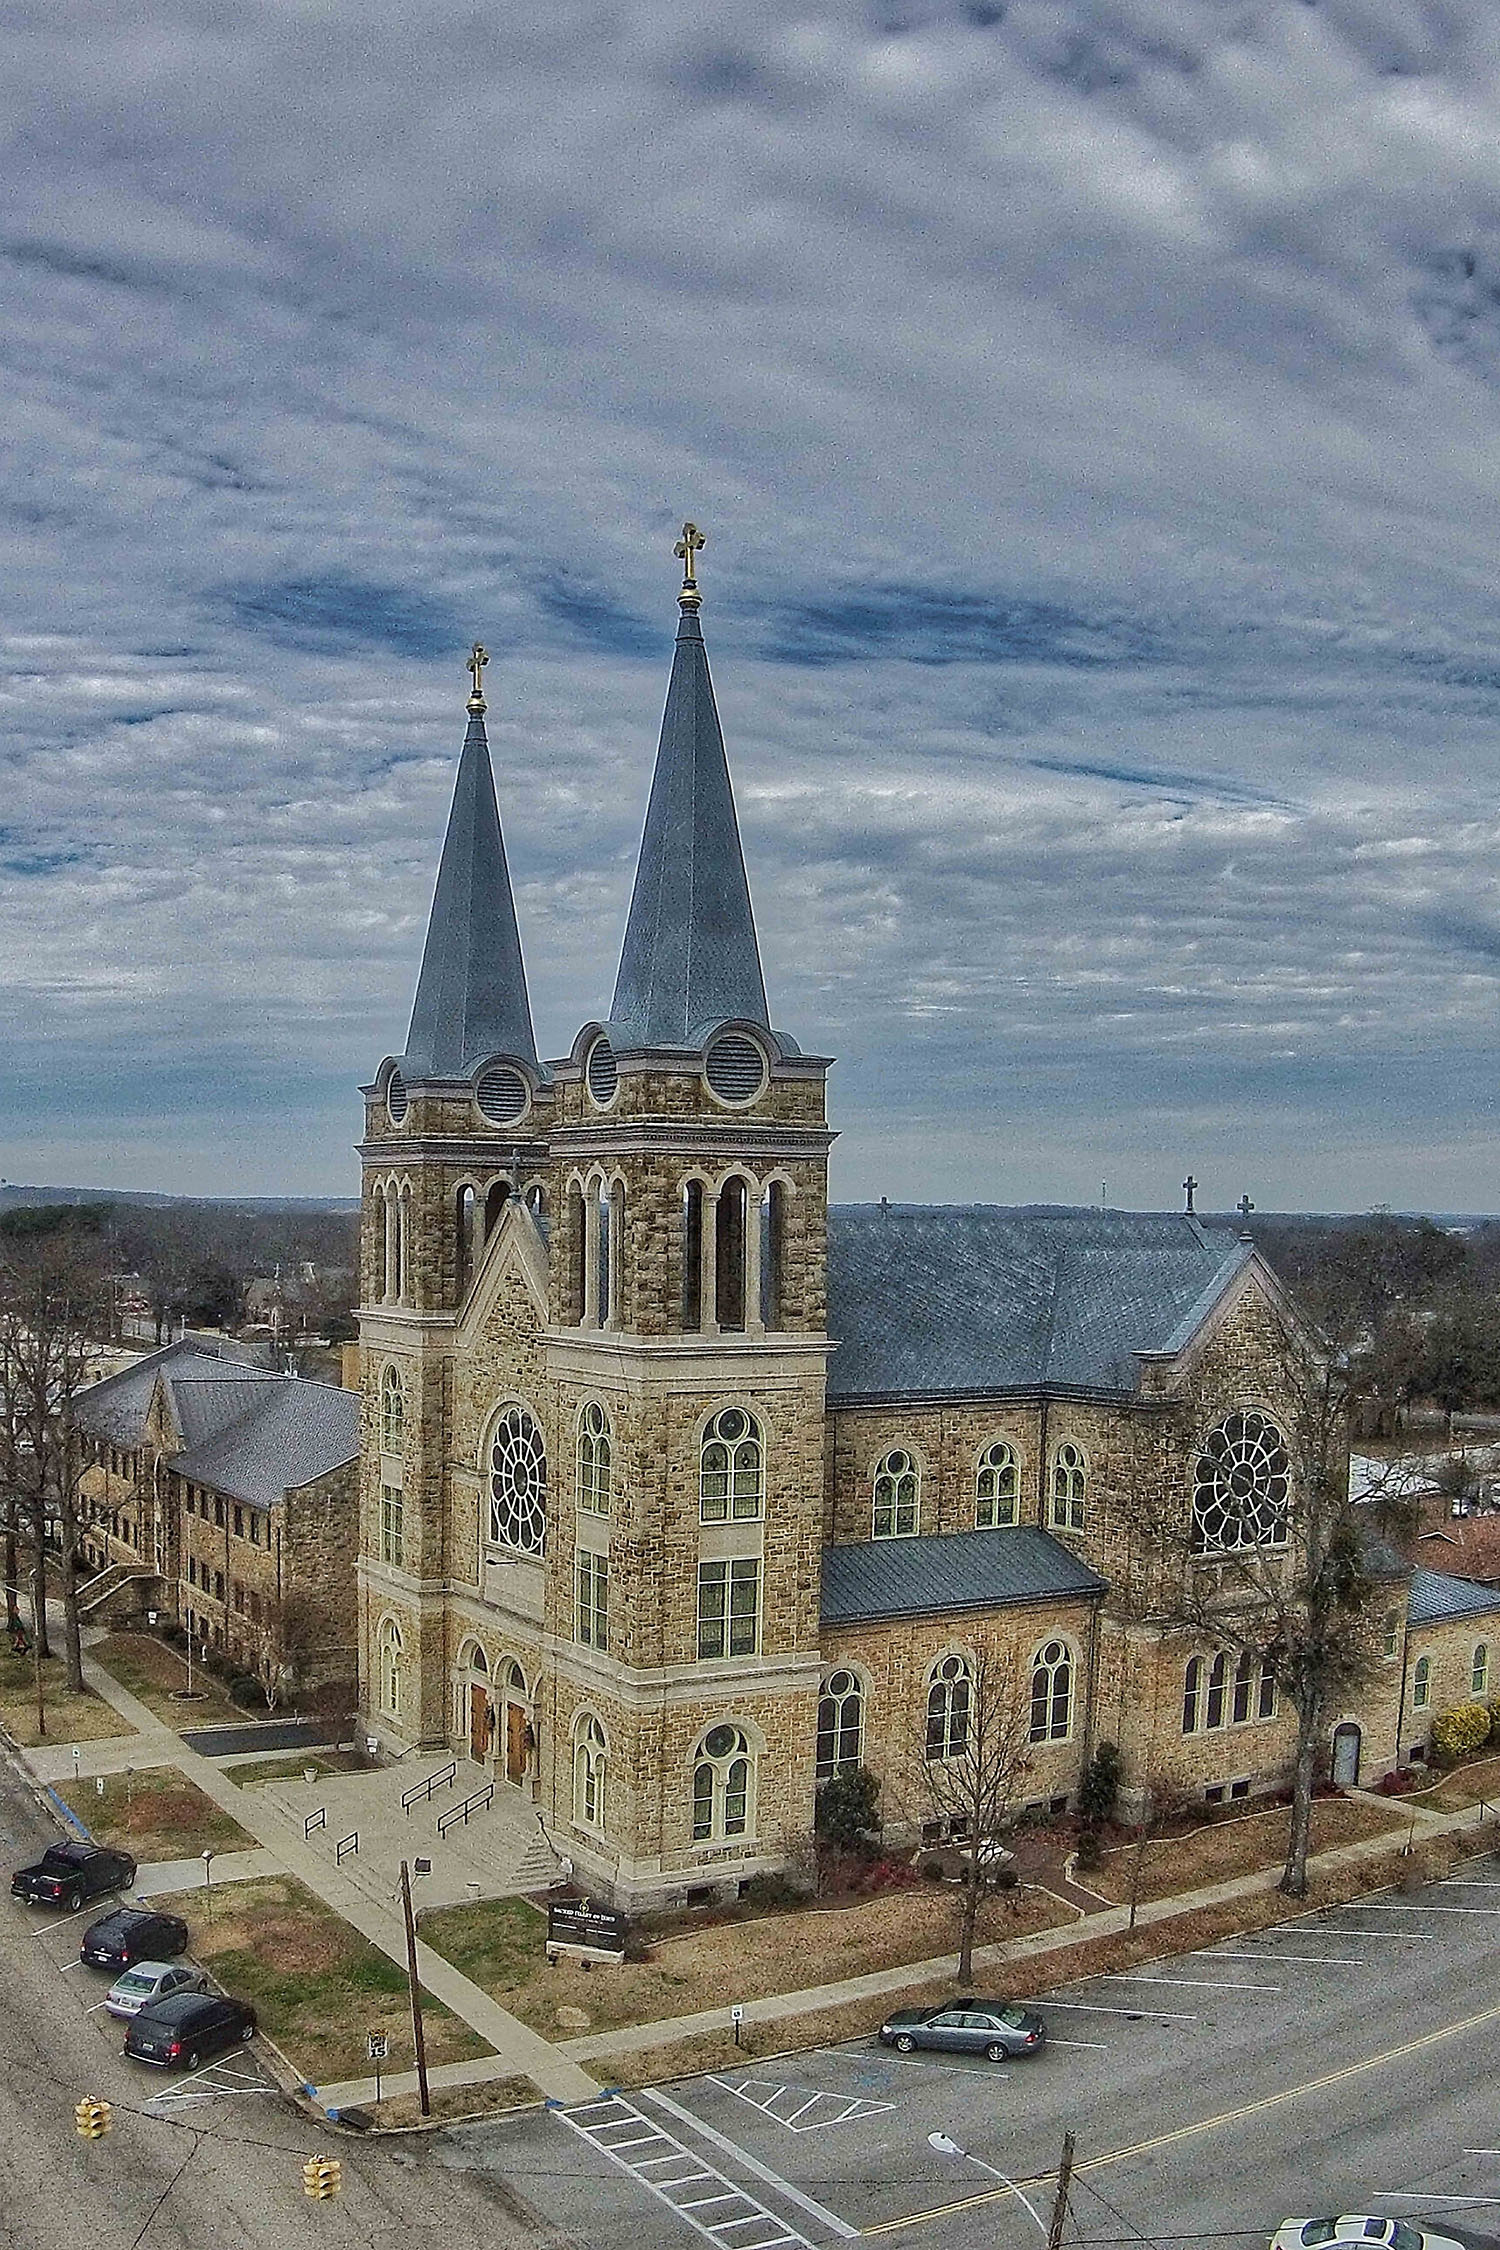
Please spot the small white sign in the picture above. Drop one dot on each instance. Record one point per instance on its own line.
(379, 2046)
(736, 2014)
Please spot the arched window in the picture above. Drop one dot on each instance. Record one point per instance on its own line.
(590, 1758)
(517, 1472)
(1070, 1476)
(392, 1228)
(729, 1255)
(1052, 1693)
(731, 1473)
(995, 1488)
(692, 1255)
(389, 1667)
(403, 1242)
(723, 1783)
(840, 1724)
(612, 1232)
(1192, 1685)
(579, 1248)
(1241, 1487)
(593, 1460)
(1218, 1678)
(1244, 1673)
(604, 1248)
(497, 1196)
(772, 1254)
(392, 1412)
(464, 1203)
(949, 1688)
(1479, 1670)
(897, 1496)
(1421, 1683)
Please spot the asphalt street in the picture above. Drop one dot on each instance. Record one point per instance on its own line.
(1348, 2060)
(213, 2163)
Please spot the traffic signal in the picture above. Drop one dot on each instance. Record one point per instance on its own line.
(322, 2176)
(93, 2117)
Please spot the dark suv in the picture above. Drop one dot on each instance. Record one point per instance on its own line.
(189, 2027)
(132, 1934)
(68, 1874)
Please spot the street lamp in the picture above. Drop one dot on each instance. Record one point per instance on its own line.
(946, 2146)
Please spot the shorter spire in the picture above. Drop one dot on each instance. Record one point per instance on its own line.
(478, 658)
(688, 547)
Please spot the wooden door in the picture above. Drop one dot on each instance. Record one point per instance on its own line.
(479, 1723)
(515, 1742)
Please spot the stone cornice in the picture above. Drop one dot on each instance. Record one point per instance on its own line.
(644, 1136)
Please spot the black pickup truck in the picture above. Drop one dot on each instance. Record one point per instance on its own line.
(68, 1874)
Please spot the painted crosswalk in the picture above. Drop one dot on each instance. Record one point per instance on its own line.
(678, 2177)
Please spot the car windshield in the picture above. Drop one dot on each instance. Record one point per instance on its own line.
(61, 1855)
(1405, 2237)
(1318, 2230)
(1013, 2016)
(135, 1982)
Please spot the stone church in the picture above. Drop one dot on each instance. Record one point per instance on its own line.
(682, 1491)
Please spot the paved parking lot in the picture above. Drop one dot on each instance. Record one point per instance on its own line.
(1341, 2060)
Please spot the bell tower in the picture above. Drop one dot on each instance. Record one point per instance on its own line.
(688, 1173)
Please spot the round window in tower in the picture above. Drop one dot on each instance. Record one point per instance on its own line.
(501, 1094)
(396, 1102)
(603, 1073)
(735, 1069)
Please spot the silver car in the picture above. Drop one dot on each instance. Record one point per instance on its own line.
(151, 1980)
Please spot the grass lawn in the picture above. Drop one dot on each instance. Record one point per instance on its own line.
(155, 1814)
(70, 1718)
(499, 1944)
(248, 1771)
(317, 1986)
(151, 1670)
(1235, 1847)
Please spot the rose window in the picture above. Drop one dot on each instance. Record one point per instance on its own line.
(518, 1483)
(1241, 1487)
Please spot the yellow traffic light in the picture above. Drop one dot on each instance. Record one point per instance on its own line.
(322, 2176)
(93, 2117)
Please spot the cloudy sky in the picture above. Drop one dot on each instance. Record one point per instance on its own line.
(1093, 407)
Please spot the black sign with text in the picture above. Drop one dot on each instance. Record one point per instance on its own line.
(594, 1929)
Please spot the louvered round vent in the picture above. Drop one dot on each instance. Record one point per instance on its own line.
(735, 1068)
(395, 1098)
(502, 1094)
(604, 1073)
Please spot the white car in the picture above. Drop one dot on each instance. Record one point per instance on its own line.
(151, 1980)
(1355, 2227)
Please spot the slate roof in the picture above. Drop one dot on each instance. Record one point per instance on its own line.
(690, 958)
(290, 1432)
(471, 994)
(116, 1408)
(969, 1570)
(936, 1299)
(1435, 1597)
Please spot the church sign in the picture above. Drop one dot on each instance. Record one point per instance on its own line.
(585, 1931)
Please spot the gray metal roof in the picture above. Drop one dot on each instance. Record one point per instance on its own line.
(291, 1432)
(690, 958)
(1435, 1597)
(970, 1570)
(935, 1299)
(116, 1408)
(471, 995)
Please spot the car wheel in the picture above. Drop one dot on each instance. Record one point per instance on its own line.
(129, 1875)
(75, 1901)
(247, 2035)
(905, 2045)
(995, 2052)
(191, 2060)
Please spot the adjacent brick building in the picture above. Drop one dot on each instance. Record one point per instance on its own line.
(680, 1492)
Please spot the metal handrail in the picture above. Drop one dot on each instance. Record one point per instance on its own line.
(318, 1819)
(346, 1849)
(481, 1800)
(424, 1789)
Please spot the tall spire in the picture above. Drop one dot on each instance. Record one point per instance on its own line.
(471, 995)
(690, 958)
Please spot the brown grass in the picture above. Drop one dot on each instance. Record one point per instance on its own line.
(452, 2105)
(151, 1670)
(70, 1718)
(1226, 1848)
(318, 1986)
(499, 1944)
(1470, 1784)
(157, 1814)
(250, 1772)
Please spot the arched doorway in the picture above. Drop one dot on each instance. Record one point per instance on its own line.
(1346, 1748)
(518, 1736)
(478, 1713)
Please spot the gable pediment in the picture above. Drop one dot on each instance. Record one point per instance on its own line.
(510, 1289)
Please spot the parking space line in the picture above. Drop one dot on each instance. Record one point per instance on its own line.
(763, 2172)
(1374, 1906)
(1209, 1984)
(1323, 1960)
(1136, 2015)
(1100, 2046)
(1467, 1883)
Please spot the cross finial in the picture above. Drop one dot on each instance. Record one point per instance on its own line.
(1190, 1189)
(1244, 1208)
(478, 659)
(687, 547)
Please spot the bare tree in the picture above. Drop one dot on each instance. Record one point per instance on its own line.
(973, 1748)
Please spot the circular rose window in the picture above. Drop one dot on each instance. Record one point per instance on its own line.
(1241, 1487)
(518, 1483)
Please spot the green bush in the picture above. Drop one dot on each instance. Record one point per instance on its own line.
(848, 1809)
(1460, 1732)
(1100, 1786)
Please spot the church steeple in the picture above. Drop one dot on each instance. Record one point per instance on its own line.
(690, 958)
(471, 995)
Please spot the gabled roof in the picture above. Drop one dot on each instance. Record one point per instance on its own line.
(1435, 1597)
(933, 1299)
(291, 1432)
(969, 1570)
(116, 1409)
(471, 994)
(690, 958)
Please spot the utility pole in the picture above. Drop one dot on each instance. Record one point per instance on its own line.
(419, 2044)
(1060, 2203)
(38, 1597)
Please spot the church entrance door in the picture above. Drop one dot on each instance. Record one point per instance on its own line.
(479, 1722)
(515, 1743)
(1346, 1748)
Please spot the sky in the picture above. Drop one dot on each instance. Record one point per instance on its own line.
(1093, 411)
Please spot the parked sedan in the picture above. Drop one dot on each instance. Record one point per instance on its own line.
(189, 2028)
(1355, 2227)
(68, 1874)
(994, 2028)
(150, 1981)
(133, 1933)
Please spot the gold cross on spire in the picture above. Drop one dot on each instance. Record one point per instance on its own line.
(477, 662)
(689, 545)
